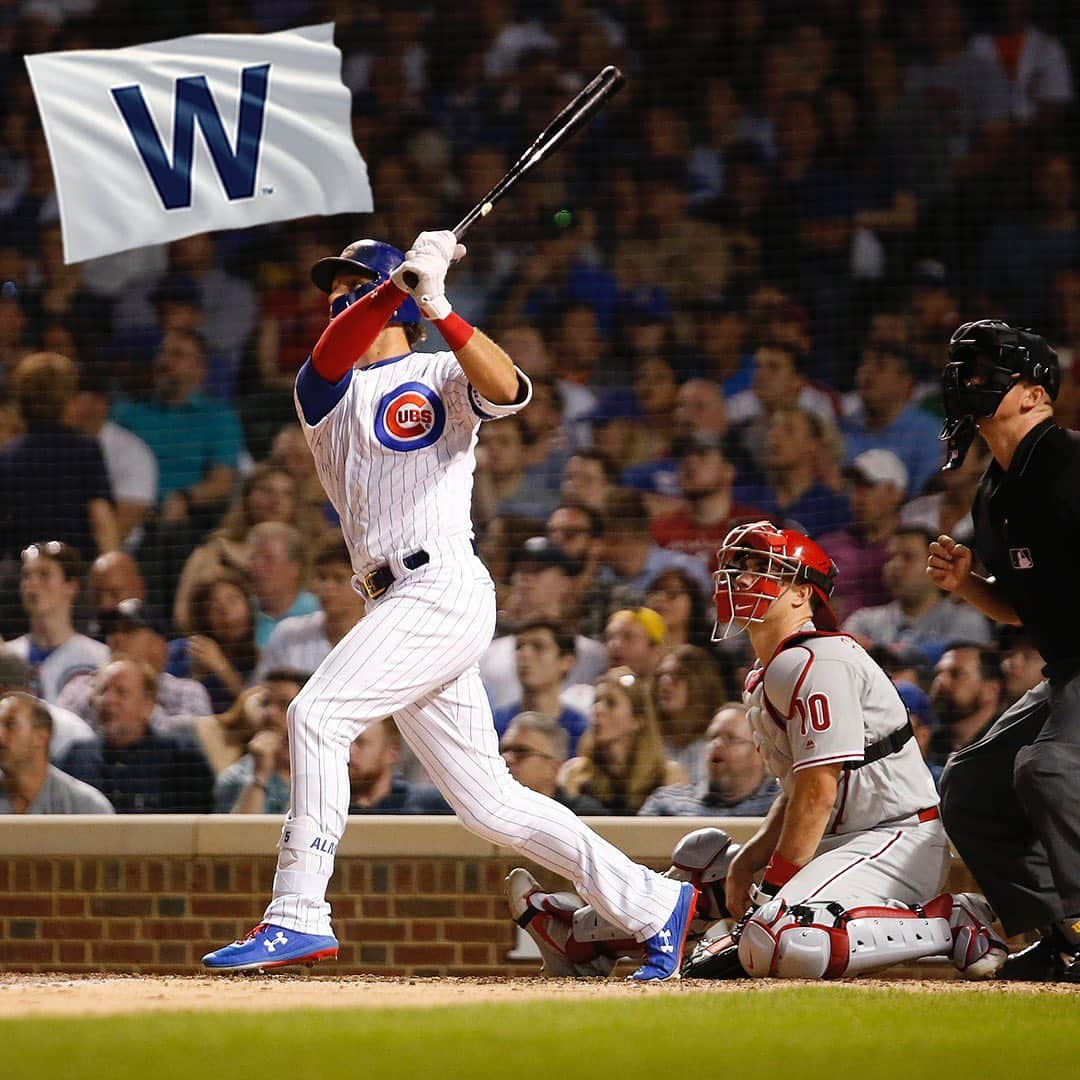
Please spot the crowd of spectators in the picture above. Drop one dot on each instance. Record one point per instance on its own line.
(732, 294)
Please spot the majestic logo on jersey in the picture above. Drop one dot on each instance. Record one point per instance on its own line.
(410, 417)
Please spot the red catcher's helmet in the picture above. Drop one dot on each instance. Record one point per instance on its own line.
(759, 562)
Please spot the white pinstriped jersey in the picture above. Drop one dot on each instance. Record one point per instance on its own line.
(824, 701)
(396, 454)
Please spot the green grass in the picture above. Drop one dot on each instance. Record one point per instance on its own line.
(793, 1033)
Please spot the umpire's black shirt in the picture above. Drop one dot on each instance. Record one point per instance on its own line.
(1027, 533)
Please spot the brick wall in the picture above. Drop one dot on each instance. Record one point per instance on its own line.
(410, 897)
(136, 913)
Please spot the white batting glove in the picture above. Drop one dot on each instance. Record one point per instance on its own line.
(442, 241)
(423, 277)
(423, 273)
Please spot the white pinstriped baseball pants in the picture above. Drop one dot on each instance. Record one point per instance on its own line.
(415, 656)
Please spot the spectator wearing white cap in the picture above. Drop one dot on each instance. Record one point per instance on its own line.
(884, 415)
(877, 481)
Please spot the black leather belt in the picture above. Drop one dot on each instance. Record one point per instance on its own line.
(382, 577)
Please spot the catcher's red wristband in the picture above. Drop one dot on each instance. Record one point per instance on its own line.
(354, 331)
(455, 330)
(779, 871)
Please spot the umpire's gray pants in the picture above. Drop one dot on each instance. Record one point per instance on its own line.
(1011, 805)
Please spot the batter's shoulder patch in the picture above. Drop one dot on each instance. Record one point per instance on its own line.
(409, 417)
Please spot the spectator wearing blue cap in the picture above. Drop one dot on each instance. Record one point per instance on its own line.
(544, 585)
(907, 667)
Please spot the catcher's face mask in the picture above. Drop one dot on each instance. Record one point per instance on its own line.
(757, 564)
(986, 360)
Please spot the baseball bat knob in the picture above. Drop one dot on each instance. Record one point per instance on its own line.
(411, 278)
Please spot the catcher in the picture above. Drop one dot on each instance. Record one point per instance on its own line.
(838, 878)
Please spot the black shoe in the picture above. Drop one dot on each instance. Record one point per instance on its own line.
(1042, 962)
(1071, 974)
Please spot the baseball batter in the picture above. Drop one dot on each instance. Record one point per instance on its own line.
(853, 848)
(393, 433)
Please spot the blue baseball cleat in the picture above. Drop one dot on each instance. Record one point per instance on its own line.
(664, 950)
(269, 946)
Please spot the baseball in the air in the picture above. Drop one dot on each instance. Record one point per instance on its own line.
(485, 209)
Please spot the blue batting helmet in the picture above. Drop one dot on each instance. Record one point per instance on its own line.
(368, 257)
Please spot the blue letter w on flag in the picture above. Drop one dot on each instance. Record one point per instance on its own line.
(194, 102)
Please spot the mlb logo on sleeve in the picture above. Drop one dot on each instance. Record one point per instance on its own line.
(1021, 558)
(409, 417)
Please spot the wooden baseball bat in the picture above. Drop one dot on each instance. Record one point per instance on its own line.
(578, 113)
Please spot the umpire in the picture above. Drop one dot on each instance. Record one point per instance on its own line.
(1011, 800)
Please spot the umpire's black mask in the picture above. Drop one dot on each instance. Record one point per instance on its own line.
(986, 360)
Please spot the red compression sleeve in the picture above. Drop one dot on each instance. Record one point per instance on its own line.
(354, 331)
(455, 331)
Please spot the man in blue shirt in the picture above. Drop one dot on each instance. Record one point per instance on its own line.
(544, 654)
(197, 441)
(884, 416)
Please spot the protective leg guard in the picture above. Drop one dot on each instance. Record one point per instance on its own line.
(548, 918)
(823, 941)
(589, 926)
(977, 951)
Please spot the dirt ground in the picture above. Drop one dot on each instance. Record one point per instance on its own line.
(99, 995)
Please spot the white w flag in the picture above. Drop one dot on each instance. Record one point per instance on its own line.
(211, 131)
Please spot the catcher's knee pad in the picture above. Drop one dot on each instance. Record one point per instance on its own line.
(824, 941)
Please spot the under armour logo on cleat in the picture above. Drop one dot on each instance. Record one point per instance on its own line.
(667, 946)
(281, 939)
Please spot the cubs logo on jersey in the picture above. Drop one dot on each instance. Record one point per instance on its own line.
(409, 417)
